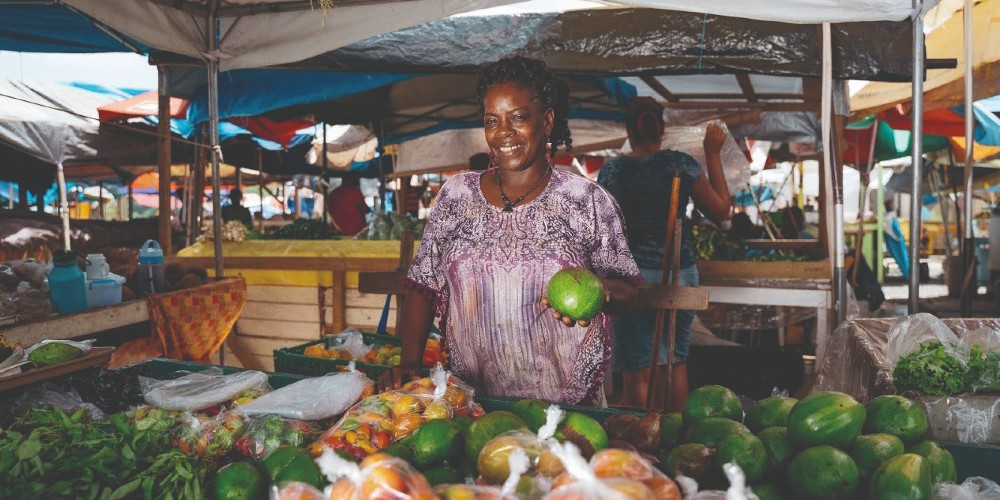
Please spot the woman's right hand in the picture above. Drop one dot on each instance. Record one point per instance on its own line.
(395, 377)
(715, 138)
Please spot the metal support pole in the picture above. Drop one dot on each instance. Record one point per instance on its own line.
(131, 202)
(880, 231)
(100, 199)
(918, 156)
(832, 174)
(163, 156)
(969, 240)
(63, 204)
(213, 135)
(326, 173)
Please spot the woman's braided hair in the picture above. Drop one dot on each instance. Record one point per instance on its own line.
(549, 90)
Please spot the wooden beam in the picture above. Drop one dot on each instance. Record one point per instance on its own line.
(658, 87)
(163, 157)
(746, 86)
(737, 105)
(242, 353)
(673, 297)
(296, 263)
(81, 324)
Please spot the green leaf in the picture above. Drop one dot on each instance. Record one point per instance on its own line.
(126, 489)
(183, 472)
(128, 453)
(29, 449)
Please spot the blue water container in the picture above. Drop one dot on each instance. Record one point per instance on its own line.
(66, 283)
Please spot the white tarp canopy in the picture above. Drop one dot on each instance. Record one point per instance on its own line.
(260, 33)
(945, 87)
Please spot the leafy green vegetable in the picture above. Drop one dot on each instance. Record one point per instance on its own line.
(49, 454)
(932, 370)
(303, 229)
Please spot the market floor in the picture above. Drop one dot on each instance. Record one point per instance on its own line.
(933, 294)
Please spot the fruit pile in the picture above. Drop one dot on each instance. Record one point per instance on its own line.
(384, 355)
(826, 445)
(380, 420)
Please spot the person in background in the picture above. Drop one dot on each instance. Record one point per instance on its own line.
(235, 209)
(479, 162)
(793, 224)
(641, 182)
(347, 207)
(742, 228)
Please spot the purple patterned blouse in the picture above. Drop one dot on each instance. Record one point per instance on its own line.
(487, 270)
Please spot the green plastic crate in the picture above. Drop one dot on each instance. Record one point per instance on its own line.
(597, 413)
(292, 359)
(162, 369)
(975, 460)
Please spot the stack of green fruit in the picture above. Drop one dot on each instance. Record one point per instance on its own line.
(826, 445)
(449, 451)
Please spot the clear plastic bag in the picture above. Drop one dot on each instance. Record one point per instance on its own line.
(380, 420)
(580, 482)
(966, 419)
(148, 417)
(973, 488)
(47, 395)
(987, 376)
(84, 345)
(349, 340)
(203, 389)
(34, 272)
(8, 278)
(32, 303)
(738, 490)
(267, 433)
(294, 490)
(315, 398)
(379, 476)
(908, 333)
(206, 436)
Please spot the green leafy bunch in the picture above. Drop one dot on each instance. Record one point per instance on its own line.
(48, 453)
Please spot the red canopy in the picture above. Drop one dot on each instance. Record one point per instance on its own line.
(145, 104)
(937, 122)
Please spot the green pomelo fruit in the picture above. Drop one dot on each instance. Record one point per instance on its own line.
(941, 462)
(906, 476)
(870, 451)
(436, 441)
(712, 401)
(671, 425)
(576, 292)
(532, 411)
(898, 416)
(240, 481)
(832, 418)
(709, 431)
(769, 412)
(292, 464)
(822, 472)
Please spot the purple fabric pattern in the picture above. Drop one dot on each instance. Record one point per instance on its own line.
(488, 270)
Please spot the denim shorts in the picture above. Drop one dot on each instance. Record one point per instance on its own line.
(632, 334)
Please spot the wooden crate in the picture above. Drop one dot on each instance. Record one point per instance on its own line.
(285, 316)
(708, 270)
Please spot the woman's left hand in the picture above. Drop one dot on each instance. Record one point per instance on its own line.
(568, 321)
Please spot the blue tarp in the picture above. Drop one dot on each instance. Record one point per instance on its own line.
(48, 27)
(255, 92)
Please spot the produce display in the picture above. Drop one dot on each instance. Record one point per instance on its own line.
(383, 355)
(391, 227)
(431, 439)
(932, 369)
(711, 243)
(300, 229)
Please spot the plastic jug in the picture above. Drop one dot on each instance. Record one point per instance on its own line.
(97, 266)
(150, 273)
(66, 283)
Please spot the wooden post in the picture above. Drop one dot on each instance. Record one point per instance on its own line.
(668, 258)
(131, 207)
(260, 182)
(163, 156)
(100, 199)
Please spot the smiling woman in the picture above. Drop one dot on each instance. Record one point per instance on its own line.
(495, 238)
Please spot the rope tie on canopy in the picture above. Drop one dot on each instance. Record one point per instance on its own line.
(701, 44)
(218, 151)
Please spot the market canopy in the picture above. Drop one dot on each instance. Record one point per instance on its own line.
(945, 88)
(260, 33)
(605, 41)
(43, 124)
